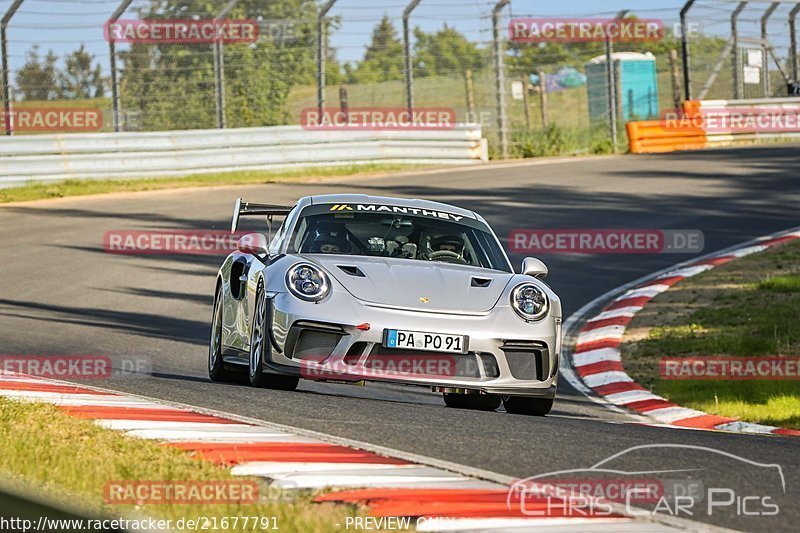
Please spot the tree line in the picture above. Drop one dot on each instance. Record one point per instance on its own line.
(41, 78)
(172, 85)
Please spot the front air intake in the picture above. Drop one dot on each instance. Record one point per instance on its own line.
(312, 342)
(528, 360)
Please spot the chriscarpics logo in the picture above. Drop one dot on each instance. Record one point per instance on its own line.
(677, 480)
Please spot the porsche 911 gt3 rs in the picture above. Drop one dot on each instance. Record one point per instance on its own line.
(358, 288)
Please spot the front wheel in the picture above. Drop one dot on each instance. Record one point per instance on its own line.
(477, 402)
(523, 405)
(258, 344)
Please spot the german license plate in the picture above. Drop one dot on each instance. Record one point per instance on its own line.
(420, 340)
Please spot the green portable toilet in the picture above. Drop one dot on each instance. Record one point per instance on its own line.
(637, 96)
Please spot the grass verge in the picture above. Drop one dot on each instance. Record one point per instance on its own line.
(748, 307)
(40, 191)
(73, 457)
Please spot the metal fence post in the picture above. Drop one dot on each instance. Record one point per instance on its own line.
(543, 97)
(737, 90)
(219, 68)
(611, 79)
(685, 55)
(675, 78)
(321, 53)
(500, 77)
(472, 116)
(793, 40)
(765, 83)
(407, 52)
(4, 52)
(113, 58)
(611, 93)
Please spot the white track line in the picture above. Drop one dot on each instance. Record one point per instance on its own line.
(601, 334)
(622, 398)
(124, 425)
(539, 525)
(606, 378)
(595, 356)
(218, 436)
(269, 469)
(362, 480)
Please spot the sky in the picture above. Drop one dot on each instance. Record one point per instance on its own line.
(62, 25)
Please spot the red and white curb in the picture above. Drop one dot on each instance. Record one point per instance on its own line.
(597, 362)
(439, 499)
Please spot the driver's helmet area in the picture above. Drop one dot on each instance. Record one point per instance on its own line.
(437, 245)
(330, 239)
(448, 243)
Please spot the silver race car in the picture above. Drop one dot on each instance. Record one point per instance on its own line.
(355, 288)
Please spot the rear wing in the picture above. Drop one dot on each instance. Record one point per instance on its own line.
(242, 208)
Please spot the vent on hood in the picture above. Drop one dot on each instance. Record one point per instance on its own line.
(481, 282)
(352, 270)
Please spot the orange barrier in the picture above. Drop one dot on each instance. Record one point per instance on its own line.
(715, 123)
(658, 136)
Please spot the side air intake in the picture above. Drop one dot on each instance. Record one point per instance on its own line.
(352, 270)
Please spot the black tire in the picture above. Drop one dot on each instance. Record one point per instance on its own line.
(216, 367)
(523, 405)
(258, 343)
(476, 402)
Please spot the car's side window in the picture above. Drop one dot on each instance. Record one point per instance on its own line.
(275, 245)
(299, 234)
(277, 241)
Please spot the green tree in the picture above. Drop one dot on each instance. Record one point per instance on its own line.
(383, 60)
(445, 52)
(80, 79)
(37, 79)
(172, 85)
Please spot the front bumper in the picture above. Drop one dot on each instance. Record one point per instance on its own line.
(495, 364)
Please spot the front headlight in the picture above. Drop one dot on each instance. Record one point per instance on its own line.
(529, 301)
(307, 282)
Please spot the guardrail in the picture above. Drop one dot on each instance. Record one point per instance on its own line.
(129, 155)
(717, 123)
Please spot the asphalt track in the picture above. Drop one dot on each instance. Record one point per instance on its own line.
(60, 293)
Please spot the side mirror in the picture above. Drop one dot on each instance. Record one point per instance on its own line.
(252, 243)
(533, 267)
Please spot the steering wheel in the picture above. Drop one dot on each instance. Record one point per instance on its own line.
(446, 256)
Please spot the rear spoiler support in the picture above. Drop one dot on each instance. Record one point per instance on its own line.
(242, 208)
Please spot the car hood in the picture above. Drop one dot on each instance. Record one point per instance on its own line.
(410, 284)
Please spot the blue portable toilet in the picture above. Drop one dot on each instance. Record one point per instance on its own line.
(637, 84)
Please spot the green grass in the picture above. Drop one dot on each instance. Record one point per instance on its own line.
(775, 403)
(750, 307)
(72, 460)
(39, 191)
(781, 284)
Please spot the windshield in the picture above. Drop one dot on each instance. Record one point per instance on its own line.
(427, 236)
